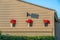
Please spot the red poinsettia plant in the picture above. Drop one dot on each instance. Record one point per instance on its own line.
(46, 21)
(29, 21)
(13, 21)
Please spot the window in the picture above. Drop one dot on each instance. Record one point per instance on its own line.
(34, 15)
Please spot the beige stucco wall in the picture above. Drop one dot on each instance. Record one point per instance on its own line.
(17, 10)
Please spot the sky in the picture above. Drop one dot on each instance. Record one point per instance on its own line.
(53, 4)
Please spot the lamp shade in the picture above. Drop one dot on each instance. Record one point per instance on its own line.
(46, 21)
(29, 21)
(13, 21)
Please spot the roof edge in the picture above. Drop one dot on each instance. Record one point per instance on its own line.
(38, 5)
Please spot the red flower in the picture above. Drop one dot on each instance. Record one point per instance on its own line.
(13, 21)
(29, 21)
(46, 21)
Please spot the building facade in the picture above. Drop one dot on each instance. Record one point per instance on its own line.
(43, 18)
